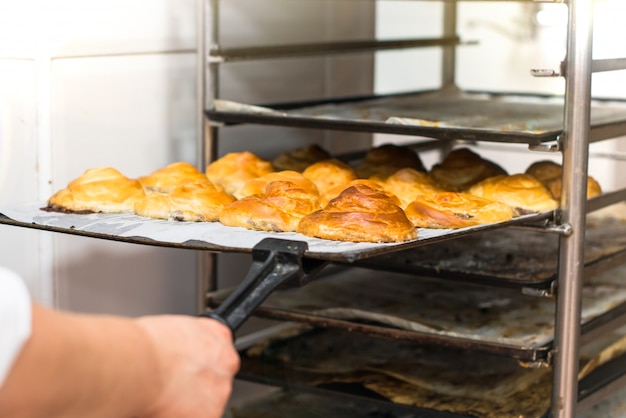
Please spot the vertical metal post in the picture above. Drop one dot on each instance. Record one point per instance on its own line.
(448, 59)
(575, 154)
(207, 90)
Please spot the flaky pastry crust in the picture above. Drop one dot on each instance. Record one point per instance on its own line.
(103, 189)
(195, 202)
(235, 169)
(550, 174)
(371, 183)
(166, 179)
(259, 184)
(462, 168)
(386, 159)
(329, 174)
(455, 210)
(300, 158)
(359, 214)
(279, 209)
(409, 183)
(523, 192)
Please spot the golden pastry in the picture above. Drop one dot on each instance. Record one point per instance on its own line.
(386, 159)
(259, 184)
(300, 158)
(329, 174)
(102, 189)
(462, 168)
(550, 174)
(194, 202)
(455, 210)
(235, 169)
(165, 179)
(523, 192)
(359, 214)
(371, 183)
(408, 183)
(279, 209)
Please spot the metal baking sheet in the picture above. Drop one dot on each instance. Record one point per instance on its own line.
(507, 257)
(442, 114)
(429, 379)
(213, 236)
(488, 319)
(435, 379)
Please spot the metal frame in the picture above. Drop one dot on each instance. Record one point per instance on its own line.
(575, 147)
(574, 144)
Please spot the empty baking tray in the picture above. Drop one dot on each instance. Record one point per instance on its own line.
(509, 257)
(434, 381)
(443, 114)
(493, 320)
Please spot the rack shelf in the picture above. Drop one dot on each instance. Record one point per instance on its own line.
(445, 114)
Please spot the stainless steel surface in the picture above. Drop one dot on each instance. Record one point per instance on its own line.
(448, 58)
(573, 201)
(445, 114)
(608, 65)
(220, 55)
(208, 81)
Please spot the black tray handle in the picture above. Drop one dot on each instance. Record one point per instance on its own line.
(274, 262)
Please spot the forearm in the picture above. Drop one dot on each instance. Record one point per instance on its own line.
(74, 365)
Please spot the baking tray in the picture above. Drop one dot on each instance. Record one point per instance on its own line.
(443, 114)
(213, 236)
(511, 257)
(493, 320)
(435, 380)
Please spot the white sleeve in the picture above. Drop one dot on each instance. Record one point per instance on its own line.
(15, 319)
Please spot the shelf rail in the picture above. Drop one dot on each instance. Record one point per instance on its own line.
(573, 202)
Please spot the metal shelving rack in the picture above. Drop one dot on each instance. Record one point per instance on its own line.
(572, 142)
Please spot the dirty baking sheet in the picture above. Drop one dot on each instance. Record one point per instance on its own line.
(449, 114)
(213, 236)
(506, 256)
(403, 372)
(496, 320)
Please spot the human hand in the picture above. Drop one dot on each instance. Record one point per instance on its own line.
(197, 362)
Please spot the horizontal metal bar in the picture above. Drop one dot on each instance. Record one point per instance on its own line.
(612, 64)
(278, 51)
(605, 199)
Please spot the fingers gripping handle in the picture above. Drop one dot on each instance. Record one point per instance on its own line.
(274, 262)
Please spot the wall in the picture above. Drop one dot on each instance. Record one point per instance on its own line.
(112, 83)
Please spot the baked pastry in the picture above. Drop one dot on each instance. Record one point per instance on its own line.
(550, 174)
(371, 183)
(194, 202)
(523, 192)
(300, 158)
(259, 184)
(279, 209)
(104, 190)
(544, 170)
(386, 159)
(408, 183)
(235, 169)
(462, 168)
(165, 179)
(455, 210)
(359, 214)
(329, 174)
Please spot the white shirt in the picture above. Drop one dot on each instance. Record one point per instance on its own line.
(15, 319)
